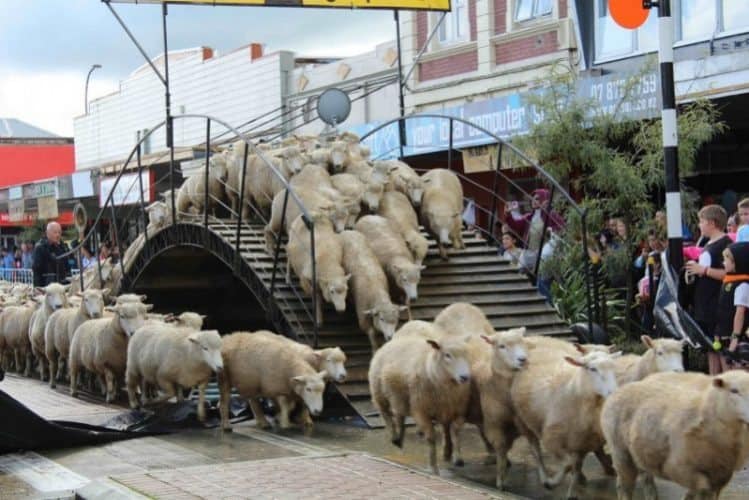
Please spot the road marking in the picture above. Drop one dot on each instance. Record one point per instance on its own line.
(42, 474)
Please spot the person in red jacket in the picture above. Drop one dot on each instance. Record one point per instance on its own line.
(530, 226)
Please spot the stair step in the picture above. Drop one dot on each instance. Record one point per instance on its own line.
(491, 310)
(355, 389)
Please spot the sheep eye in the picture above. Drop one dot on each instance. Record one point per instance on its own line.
(734, 391)
(308, 389)
(594, 369)
(660, 353)
(502, 346)
(448, 356)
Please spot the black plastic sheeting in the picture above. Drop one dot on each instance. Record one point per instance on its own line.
(22, 429)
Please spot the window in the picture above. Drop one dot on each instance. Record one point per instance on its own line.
(612, 40)
(455, 27)
(701, 19)
(530, 9)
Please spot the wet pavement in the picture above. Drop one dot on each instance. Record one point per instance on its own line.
(339, 460)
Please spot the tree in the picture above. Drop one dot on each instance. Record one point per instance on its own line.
(613, 164)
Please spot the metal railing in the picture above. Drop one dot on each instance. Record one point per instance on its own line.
(15, 275)
(491, 200)
(238, 219)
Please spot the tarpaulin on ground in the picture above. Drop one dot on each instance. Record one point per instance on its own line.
(670, 318)
(22, 429)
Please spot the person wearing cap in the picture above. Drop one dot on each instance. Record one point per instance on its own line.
(733, 303)
(532, 224)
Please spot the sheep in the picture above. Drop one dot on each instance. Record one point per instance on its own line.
(54, 299)
(396, 208)
(172, 357)
(393, 253)
(61, 325)
(315, 178)
(335, 156)
(259, 367)
(158, 217)
(369, 286)
(14, 326)
(336, 211)
(557, 401)
(191, 195)
(684, 427)
(91, 278)
(663, 355)
(100, 345)
(332, 281)
(405, 180)
(492, 372)
(424, 375)
(569, 348)
(353, 189)
(442, 208)
(331, 360)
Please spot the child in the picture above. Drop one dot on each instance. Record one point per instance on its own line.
(742, 233)
(734, 301)
(709, 274)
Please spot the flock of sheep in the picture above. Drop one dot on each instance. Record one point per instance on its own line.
(637, 414)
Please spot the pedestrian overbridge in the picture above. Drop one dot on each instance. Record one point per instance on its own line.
(220, 266)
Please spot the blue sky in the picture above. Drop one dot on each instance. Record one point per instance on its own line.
(48, 46)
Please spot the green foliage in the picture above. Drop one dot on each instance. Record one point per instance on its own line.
(33, 233)
(614, 165)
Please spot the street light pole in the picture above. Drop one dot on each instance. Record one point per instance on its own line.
(85, 97)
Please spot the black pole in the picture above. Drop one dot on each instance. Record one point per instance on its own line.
(241, 204)
(586, 266)
(401, 100)
(169, 124)
(207, 164)
(670, 135)
(315, 297)
(142, 201)
(277, 250)
(495, 196)
(450, 147)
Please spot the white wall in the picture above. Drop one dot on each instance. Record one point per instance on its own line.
(231, 87)
(365, 69)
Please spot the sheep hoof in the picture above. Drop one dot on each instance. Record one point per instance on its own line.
(397, 442)
(548, 485)
(458, 462)
(581, 479)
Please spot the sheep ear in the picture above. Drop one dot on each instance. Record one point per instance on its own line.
(488, 339)
(421, 268)
(110, 308)
(193, 338)
(369, 312)
(319, 357)
(647, 341)
(142, 297)
(403, 308)
(434, 344)
(148, 307)
(573, 361)
(616, 354)
(67, 287)
(347, 277)
(612, 348)
(39, 289)
(297, 381)
(203, 316)
(579, 347)
(719, 383)
(323, 374)
(105, 291)
(78, 294)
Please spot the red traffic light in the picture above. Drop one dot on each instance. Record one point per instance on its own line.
(628, 14)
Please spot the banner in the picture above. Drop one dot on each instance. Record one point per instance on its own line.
(480, 159)
(47, 207)
(126, 192)
(15, 210)
(440, 5)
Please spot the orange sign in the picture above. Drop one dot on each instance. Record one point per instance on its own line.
(628, 14)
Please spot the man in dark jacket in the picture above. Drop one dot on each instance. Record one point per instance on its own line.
(47, 268)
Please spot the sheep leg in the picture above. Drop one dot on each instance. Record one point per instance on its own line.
(201, 401)
(285, 407)
(408, 310)
(648, 487)
(73, 369)
(42, 368)
(605, 460)
(536, 451)
(425, 425)
(257, 410)
(102, 384)
(626, 474)
(454, 431)
(372, 334)
(447, 442)
(110, 381)
(318, 306)
(499, 441)
(443, 250)
(491, 457)
(288, 270)
(400, 421)
(390, 426)
(132, 381)
(306, 421)
(60, 363)
(29, 363)
(17, 356)
(575, 465)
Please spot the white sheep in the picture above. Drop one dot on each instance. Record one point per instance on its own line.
(14, 326)
(62, 324)
(159, 217)
(353, 189)
(405, 180)
(425, 376)
(92, 279)
(100, 345)
(331, 360)
(398, 210)
(442, 208)
(332, 282)
(172, 357)
(663, 355)
(259, 367)
(493, 368)
(369, 288)
(191, 195)
(557, 400)
(684, 427)
(54, 299)
(393, 253)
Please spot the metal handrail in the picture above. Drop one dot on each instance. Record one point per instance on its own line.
(109, 205)
(555, 188)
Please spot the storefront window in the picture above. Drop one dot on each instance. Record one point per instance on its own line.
(529, 9)
(735, 14)
(455, 27)
(611, 39)
(697, 18)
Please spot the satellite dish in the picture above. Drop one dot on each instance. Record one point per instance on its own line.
(333, 106)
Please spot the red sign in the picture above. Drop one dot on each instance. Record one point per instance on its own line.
(628, 14)
(24, 163)
(29, 219)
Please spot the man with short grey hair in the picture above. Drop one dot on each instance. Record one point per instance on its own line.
(47, 268)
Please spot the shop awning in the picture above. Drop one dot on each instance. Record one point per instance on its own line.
(24, 163)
